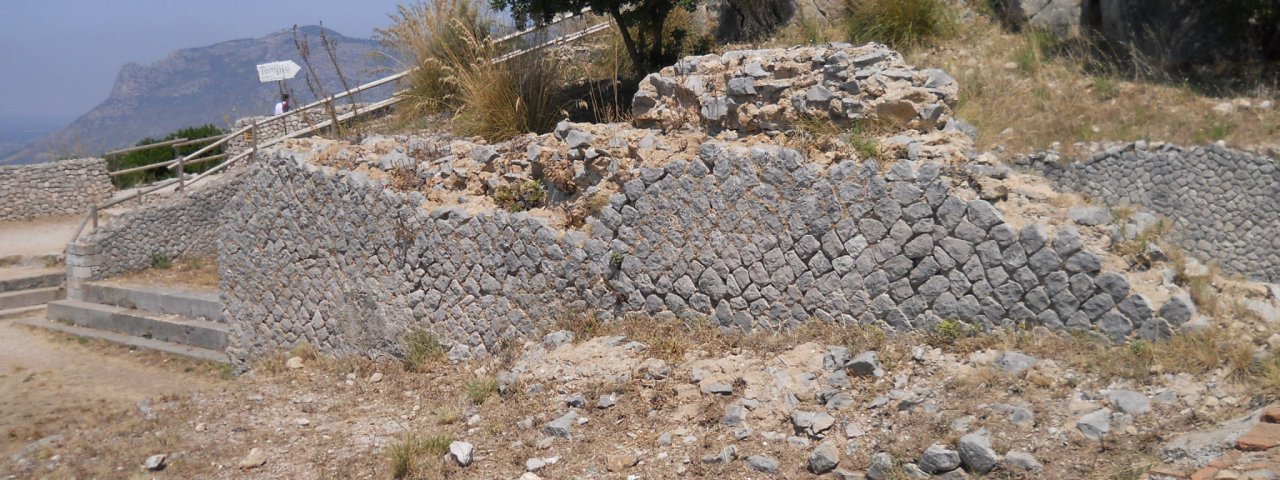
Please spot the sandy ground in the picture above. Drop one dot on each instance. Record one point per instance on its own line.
(40, 236)
(53, 384)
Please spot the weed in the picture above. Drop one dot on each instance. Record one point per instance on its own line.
(447, 416)
(404, 455)
(161, 261)
(950, 330)
(521, 196)
(479, 389)
(615, 259)
(1105, 88)
(582, 326)
(1216, 130)
(422, 349)
(902, 24)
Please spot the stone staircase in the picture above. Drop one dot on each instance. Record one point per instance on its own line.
(181, 322)
(25, 291)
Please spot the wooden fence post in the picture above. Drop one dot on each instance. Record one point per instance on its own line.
(178, 156)
(254, 128)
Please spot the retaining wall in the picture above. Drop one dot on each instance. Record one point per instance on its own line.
(184, 225)
(750, 238)
(1224, 204)
(53, 188)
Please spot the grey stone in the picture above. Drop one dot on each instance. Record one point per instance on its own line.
(824, 459)
(1015, 362)
(726, 455)
(1089, 216)
(1178, 309)
(734, 415)
(881, 466)
(866, 364)
(563, 426)
(1129, 401)
(835, 358)
(558, 338)
(762, 463)
(1113, 284)
(1095, 425)
(155, 462)
(460, 452)
(939, 459)
(1023, 461)
(976, 453)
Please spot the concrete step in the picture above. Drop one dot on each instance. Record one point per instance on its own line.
(22, 312)
(173, 301)
(148, 343)
(27, 279)
(27, 298)
(158, 326)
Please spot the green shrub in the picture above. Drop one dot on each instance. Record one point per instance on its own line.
(162, 154)
(521, 196)
(902, 24)
(161, 261)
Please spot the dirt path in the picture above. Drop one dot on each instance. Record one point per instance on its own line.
(52, 384)
(40, 236)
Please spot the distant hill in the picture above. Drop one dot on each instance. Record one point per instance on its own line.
(215, 84)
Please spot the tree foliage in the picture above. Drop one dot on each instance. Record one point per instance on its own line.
(641, 22)
(163, 154)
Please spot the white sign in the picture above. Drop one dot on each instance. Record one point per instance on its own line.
(270, 72)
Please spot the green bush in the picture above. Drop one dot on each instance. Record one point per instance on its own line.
(522, 196)
(901, 24)
(422, 349)
(163, 154)
(161, 261)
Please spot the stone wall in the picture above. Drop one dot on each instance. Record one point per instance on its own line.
(1224, 204)
(268, 130)
(53, 188)
(182, 225)
(749, 237)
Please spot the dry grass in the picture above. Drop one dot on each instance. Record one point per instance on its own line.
(429, 36)
(417, 456)
(902, 24)
(1026, 91)
(192, 273)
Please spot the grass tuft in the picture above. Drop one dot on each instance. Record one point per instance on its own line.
(405, 455)
(422, 349)
(902, 24)
(521, 196)
(480, 389)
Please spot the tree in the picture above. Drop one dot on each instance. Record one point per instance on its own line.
(163, 154)
(645, 46)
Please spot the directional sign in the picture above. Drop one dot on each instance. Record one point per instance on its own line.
(270, 72)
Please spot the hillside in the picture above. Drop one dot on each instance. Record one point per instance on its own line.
(214, 84)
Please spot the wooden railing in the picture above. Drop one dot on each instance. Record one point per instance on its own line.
(181, 161)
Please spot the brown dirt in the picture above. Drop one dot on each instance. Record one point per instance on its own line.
(55, 384)
(195, 274)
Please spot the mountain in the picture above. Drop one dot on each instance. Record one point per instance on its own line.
(215, 84)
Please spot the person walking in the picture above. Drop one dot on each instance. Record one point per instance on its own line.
(283, 105)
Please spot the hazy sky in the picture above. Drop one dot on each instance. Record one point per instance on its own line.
(59, 58)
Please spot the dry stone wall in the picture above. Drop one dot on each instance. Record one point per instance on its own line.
(53, 188)
(1224, 204)
(183, 226)
(747, 237)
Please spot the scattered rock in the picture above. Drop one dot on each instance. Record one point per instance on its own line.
(607, 400)
(256, 457)
(293, 363)
(1015, 362)
(762, 463)
(618, 463)
(460, 452)
(939, 459)
(155, 462)
(1129, 401)
(866, 364)
(1095, 425)
(726, 455)
(1089, 216)
(558, 338)
(881, 467)
(1022, 461)
(976, 453)
(563, 426)
(824, 459)
(376, 377)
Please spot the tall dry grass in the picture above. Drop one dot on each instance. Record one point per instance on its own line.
(1025, 91)
(450, 43)
(902, 24)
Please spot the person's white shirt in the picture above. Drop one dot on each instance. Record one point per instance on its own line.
(279, 108)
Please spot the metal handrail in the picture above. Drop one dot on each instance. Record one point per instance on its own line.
(193, 157)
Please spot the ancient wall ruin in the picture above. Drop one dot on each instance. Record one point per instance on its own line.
(1224, 204)
(183, 226)
(747, 237)
(53, 188)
